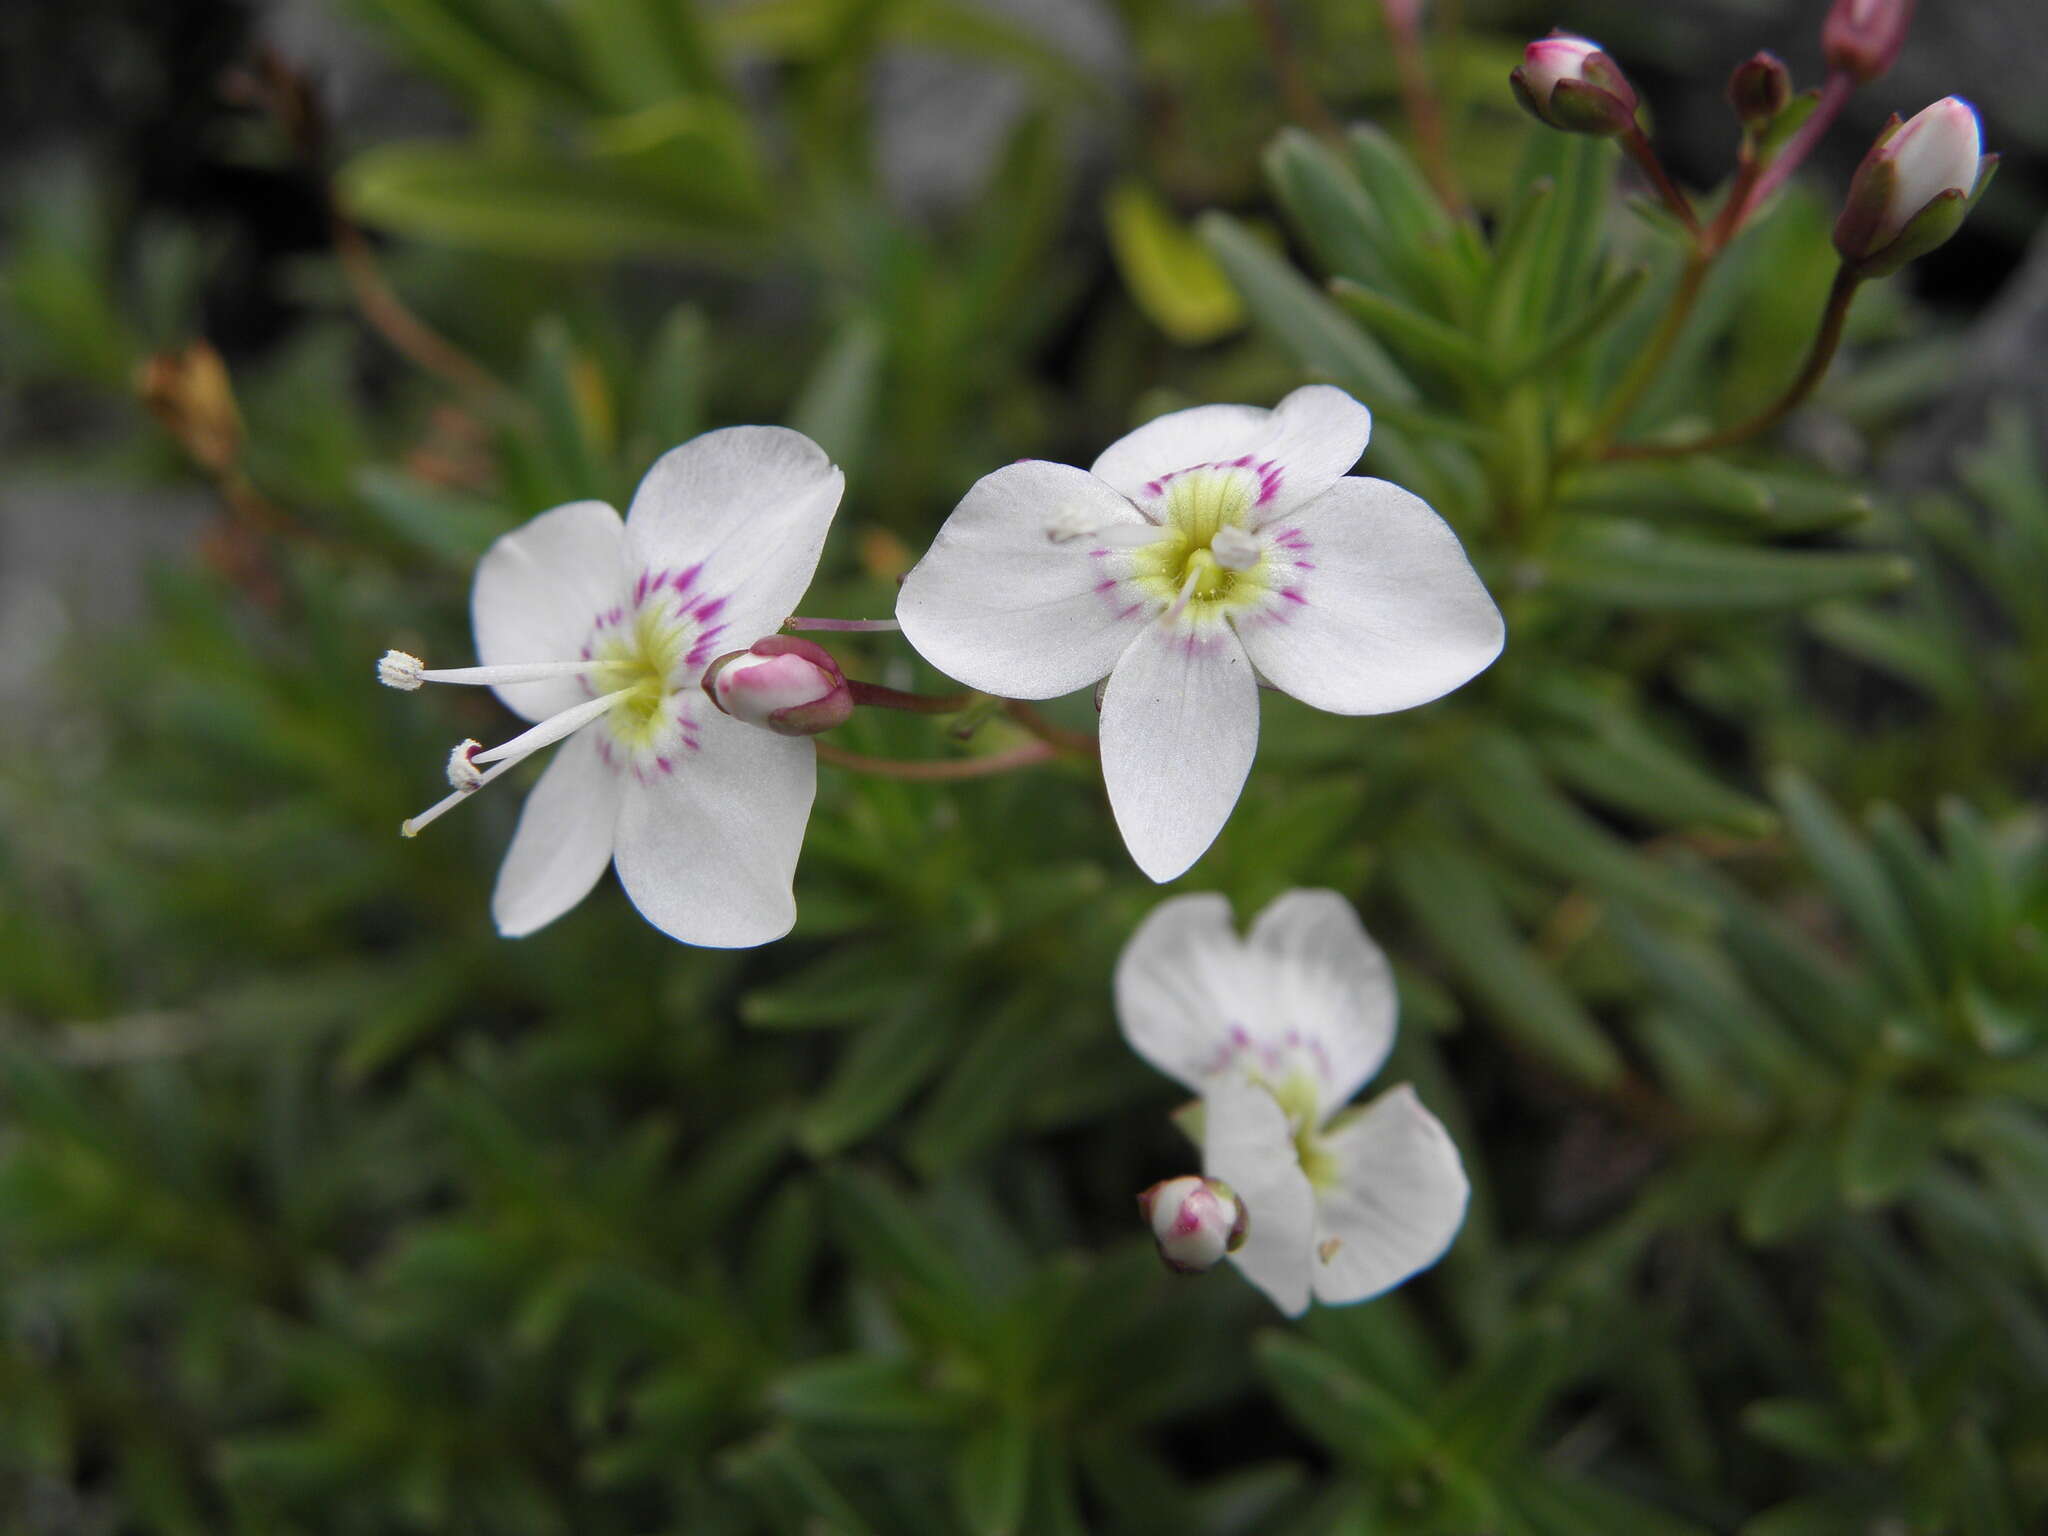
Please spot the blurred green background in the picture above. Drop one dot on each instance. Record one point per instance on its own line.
(1718, 904)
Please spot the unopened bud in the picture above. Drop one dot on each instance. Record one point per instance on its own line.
(1913, 188)
(783, 684)
(189, 393)
(1569, 83)
(1759, 89)
(1196, 1221)
(1863, 37)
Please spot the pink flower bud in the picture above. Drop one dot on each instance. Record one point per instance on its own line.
(1863, 37)
(1569, 83)
(1759, 89)
(1913, 188)
(786, 685)
(1196, 1221)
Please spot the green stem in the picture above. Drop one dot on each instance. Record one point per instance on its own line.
(1829, 337)
(1636, 382)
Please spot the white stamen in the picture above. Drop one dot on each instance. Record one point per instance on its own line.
(463, 772)
(1070, 523)
(509, 754)
(1234, 549)
(397, 669)
(1186, 595)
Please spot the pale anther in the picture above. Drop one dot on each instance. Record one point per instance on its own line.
(463, 772)
(397, 669)
(1234, 549)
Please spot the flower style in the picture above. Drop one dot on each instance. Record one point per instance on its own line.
(1209, 551)
(1276, 1031)
(601, 631)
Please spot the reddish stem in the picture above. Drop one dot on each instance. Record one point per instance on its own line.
(1834, 95)
(1032, 752)
(879, 697)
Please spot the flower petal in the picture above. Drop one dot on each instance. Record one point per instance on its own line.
(1325, 980)
(1312, 437)
(1180, 722)
(563, 841)
(708, 851)
(1247, 1143)
(751, 505)
(1173, 997)
(1004, 607)
(537, 590)
(1395, 1202)
(1385, 612)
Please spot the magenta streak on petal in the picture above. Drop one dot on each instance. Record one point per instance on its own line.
(664, 765)
(1129, 611)
(1293, 595)
(1097, 554)
(1107, 584)
(1304, 565)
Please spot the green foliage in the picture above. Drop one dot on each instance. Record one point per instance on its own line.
(1719, 905)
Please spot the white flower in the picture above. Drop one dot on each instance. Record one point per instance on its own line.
(1276, 1031)
(1208, 551)
(600, 630)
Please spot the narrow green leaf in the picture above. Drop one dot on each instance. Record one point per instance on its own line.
(1450, 898)
(1301, 319)
(1907, 647)
(1794, 1184)
(1814, 1431)
(527, 205)
(1351, 1415)
(1507, 792)
(1331, 211)
(860, 1392)
(1856, 880)
(837, 406)
(992, 1477)
(1171, 275)
(1412, 333)
(1631, 566)
(455, 529)
(1629, 767)
(884, 1066)
(1886, 1141)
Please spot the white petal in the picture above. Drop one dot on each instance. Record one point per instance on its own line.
(1247, 1143)
(1173, 993)
(708, 851)
(1395, 1202)
(1325, 979)
(752, 505)
(1180, 722)
(563, 841)
(1386, 611)
(538, 589)
(1003, 607)
(1313, 436)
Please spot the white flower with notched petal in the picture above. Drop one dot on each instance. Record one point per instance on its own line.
(1276, 1031)
(1208, 551)
(601, 630)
